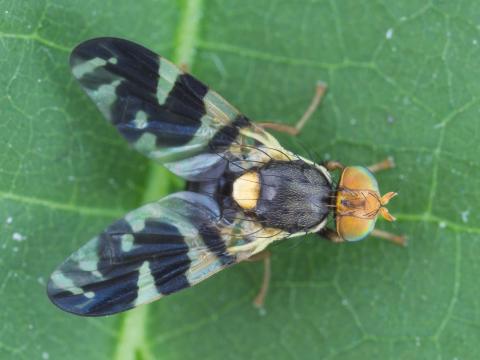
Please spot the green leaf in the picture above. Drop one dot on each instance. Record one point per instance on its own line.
(404, 81)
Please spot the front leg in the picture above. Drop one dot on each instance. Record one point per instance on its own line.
(331, 235)
(333, 165)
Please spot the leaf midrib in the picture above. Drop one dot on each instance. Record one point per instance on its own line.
(132, 340)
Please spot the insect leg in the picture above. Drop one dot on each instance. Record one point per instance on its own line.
(264, 255)
(333, 165)
(396, 239)
(331, 235)
(320, 90)
(388, 163)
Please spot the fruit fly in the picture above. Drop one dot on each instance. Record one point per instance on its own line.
(244, 190)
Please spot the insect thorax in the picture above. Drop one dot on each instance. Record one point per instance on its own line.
(287, 195)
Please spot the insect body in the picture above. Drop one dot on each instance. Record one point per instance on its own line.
(244, 190)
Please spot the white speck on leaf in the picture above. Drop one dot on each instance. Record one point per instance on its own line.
(475, 42)
(327, 156)
(45, 355)
(18, 237)
(390, 119)
(41, 280)
(130, 184)
(442, 224)
(344, 302)
(417, 341)
(30, 326)
(113, 182)
(15, 249)
(389, 34)
(465, 214)
(262, 311)
(71, 178)
(9, 220)
(353, 121)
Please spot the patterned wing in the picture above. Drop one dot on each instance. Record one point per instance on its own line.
(153, 251)
(164, 113)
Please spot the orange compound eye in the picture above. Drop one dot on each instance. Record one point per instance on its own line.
(358, 178)
(358, 203)
(351, 228)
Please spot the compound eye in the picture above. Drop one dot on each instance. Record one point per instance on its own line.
(358, 178)
(352, 228)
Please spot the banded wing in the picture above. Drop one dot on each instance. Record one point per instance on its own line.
(155, 250)
(164, 113)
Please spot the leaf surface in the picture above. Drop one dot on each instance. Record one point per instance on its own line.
(403, 81)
